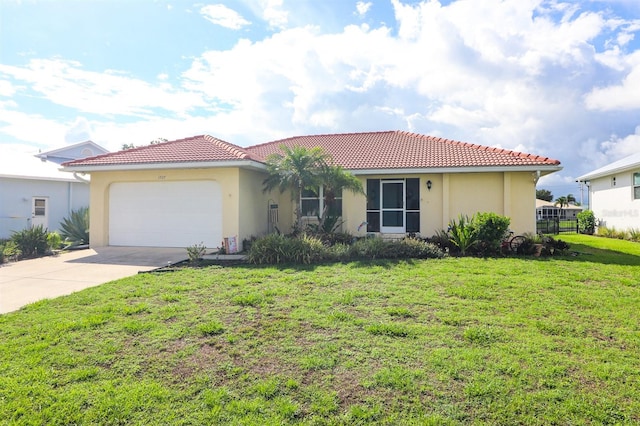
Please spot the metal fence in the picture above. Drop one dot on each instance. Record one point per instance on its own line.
(555, 226)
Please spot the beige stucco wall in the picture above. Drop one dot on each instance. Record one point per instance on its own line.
(237, 210)
(510, 194)
(245, 205)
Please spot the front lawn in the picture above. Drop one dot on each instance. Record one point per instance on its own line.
(452, 341)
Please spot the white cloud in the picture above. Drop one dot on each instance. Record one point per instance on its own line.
(363, 7)
(274, 14)
(623, 96)
(6, 88)
(221, 15)
(79, 131)
(65, 83)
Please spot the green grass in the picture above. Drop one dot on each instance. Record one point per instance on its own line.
(452, 341)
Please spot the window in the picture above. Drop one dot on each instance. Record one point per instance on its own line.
(312, 202)
(393, 205)
(636, 186)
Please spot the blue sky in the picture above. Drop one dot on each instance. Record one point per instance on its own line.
(549, 77)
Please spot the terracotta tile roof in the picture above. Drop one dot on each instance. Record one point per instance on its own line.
(403, 150)
(201, 148)
(353, 151)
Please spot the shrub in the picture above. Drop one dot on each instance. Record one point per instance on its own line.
(611, 232)
(491, 229)
(75, 228)
(415, 248)
(586, 222)
(634, 234)
(276, 248)
(369, 248)
(54, 240)
(306, 249)
(32, 241)
(195, 252)
(442, 240)
(463, 234)
(11, 250)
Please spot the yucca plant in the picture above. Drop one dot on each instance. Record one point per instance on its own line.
(75, 228)
(463, 234)
(31, 242)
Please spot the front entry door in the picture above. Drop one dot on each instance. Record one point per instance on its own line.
(40, 212)
(392, 206)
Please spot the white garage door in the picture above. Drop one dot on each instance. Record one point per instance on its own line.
(165, 214)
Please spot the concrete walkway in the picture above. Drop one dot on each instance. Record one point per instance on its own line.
(28, 281)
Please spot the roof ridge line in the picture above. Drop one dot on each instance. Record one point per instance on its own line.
(234, 149)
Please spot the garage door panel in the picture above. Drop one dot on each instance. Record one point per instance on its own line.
(165, 214)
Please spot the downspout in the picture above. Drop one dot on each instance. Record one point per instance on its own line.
(75, 175)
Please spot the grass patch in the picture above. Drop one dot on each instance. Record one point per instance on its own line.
(452, 341)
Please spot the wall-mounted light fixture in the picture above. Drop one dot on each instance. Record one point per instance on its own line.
(429, 184)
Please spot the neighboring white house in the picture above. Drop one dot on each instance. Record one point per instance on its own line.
(548, 210)
(614, 193)
(33, 191)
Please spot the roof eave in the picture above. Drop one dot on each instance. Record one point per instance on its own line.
(247, 164)
(47, 178)
(543, 169)
(590, 176)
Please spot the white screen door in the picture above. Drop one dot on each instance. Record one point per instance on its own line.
(40, 211)
(392, 206)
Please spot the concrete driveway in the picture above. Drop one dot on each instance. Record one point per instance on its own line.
(28, 281)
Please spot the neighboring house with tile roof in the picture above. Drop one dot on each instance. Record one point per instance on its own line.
(546, 210)
(614, 193)
(203, 189)
(33, 190)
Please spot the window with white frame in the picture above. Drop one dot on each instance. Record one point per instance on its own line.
(636, 186)
(312, 202)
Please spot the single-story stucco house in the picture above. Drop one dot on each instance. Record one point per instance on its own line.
(33, 191)
(546, 210)
(202, 189)
(614, 193)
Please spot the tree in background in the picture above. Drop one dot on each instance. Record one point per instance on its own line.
(565, 200)
(544, 194)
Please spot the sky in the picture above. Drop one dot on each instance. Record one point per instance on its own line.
(554, 78)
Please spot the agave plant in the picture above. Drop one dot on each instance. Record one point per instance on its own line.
(75, 228)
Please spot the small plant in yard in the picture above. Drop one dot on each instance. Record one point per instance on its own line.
(195, 252)
(11, 251)
(634, 234)
(54, 241)
(75, 228)
(491, 230)
(31, 242)
(463, 234)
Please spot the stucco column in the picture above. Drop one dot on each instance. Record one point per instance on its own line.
(506, 209)
(445, 201)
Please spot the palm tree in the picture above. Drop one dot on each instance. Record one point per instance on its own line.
(335, 180)
(298, 168)
(562, 201)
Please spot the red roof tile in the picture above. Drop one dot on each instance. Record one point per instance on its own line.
(402, 150)
(353, 151)
(201, 148)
